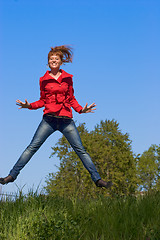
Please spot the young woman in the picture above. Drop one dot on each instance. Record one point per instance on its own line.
(57, 98)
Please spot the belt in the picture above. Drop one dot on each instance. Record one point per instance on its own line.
(53, 115)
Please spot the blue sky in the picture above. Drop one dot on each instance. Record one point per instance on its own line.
(116, 65)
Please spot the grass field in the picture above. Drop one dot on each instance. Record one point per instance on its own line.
(37, 216)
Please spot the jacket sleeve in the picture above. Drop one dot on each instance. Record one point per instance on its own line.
(40, 103)
(72, 100)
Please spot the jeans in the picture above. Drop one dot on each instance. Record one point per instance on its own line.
(49, 125)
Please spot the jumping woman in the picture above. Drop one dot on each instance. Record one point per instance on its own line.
(57, 98)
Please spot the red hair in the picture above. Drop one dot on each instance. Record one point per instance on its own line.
(64, 51)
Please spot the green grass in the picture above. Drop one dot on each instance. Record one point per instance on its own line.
(52, 218)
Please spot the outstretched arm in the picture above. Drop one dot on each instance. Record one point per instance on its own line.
(25, 104)
(88, 109)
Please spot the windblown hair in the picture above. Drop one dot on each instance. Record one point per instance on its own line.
(65, 52)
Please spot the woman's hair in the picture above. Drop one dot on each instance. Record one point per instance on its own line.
(64, 51)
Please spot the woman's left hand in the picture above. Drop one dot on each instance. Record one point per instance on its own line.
(88, 109)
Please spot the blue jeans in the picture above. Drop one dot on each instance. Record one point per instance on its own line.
(49, 125)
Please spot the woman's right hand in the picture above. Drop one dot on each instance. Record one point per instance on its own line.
(25, 104)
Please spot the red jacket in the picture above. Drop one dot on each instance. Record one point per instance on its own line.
(57, 96)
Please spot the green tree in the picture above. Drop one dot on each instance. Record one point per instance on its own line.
(157, 186)
(148, 167)
(111, 153)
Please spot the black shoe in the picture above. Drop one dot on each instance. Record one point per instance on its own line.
(6, 180)
(102, 183)
(2, 181)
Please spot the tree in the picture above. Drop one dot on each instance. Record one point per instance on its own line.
(157, 186)
(111, 153)
(148, 167)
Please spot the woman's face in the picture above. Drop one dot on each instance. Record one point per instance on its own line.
(55, 61)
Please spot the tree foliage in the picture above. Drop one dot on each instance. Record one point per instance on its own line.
(111, 153)
(148, 169)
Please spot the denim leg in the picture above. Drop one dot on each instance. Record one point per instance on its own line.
(43, 131)
(72, 135)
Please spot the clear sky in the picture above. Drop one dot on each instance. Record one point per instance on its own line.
(116, 65)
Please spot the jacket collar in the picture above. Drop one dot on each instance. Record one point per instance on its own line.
(64, 75)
